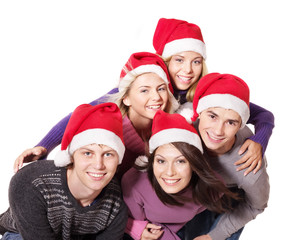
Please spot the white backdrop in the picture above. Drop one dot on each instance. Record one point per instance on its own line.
(55, 55)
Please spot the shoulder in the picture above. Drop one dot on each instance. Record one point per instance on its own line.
(26, 177)
(134, 180)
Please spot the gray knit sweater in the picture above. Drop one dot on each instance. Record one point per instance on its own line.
(42, 207)
(255, 186)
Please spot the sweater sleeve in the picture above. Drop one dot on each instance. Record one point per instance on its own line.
(256, 188)
(263, 121)
(28, 208)
(54, 136)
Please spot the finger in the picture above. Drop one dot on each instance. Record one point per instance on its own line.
(241, 160)
(245, 165)
(250, 168)
(257, 167)
(244, 147)
(153, 226)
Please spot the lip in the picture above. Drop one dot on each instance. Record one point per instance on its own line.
(170, 182)
(184, 79)
(215, 139)
(96, 176)
(154, 107)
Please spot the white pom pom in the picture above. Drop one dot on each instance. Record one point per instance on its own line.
(141, 161)
(62, 159)
(186, 111)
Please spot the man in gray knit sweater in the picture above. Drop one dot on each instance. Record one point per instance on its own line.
(75, 196)
(221, 103)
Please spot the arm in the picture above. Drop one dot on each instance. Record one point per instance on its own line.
(255, 146)
(54, 136)
(263, 122)
(117, 227)
(52, 139)
(256, 189)
(28, 209)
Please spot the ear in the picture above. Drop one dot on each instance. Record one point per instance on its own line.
(126, 101)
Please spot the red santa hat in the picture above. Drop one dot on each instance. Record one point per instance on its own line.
(173, 36)
(101, 124)
(168, 128)
(222, 90)
(143, 62)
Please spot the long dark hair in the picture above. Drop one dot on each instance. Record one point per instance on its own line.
(207, 189)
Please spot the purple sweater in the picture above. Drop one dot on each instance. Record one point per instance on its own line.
(144, 205)
(262, 120)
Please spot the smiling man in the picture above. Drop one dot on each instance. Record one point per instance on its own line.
(75, 196)
(221, 103)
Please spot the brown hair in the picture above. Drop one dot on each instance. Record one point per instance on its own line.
(207, 189)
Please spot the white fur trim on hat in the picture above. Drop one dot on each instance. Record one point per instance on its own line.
(182, 45)
(174, 135)
(90, 136)
(186, 110)
(141, 161)
(62, 159)
(131, 75)
(226, 101)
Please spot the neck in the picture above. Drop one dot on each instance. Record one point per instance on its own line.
(142, 126)
(81, 193)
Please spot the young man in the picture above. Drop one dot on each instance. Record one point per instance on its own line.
(221, 103)
(74, 196)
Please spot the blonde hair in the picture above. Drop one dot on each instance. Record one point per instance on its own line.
(191, 91)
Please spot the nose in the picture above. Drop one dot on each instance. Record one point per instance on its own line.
(219, 128)
(170, 170)
(98, 162)
(155, 95)
(187, 68)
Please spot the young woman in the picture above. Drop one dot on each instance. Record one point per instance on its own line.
(176, 185)
(75, 196)
(182, 47)
(144, 88)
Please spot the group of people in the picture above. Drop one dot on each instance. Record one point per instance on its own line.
(165, 155)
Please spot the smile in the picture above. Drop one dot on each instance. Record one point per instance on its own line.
(215, 139)
(185, 79)
(96, 176)
(171, 181)
(155, 107)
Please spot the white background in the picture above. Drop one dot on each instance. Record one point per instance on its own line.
(55, 55)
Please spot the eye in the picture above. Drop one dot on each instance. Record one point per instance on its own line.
(87, 154)
(197, 62)
(181, 161)
(108, 154)
(159, 161)
(232, 123)
(179, 60)
(143, 90)
(161, 89)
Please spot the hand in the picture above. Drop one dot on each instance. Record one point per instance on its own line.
(29, 155)
(252, 159)
(151, 231)
(203, 237)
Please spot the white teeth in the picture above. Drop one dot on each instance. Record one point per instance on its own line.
(185, 79)
(96, 174)
(170, 181)
(154, 107)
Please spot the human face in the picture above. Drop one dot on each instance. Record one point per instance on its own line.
(185, 69)
(94, 167)
(147, 94)
(218, 128)
(171, 169)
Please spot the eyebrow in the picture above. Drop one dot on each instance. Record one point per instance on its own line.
(215, 114)
(151, 86)
(165, 158)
